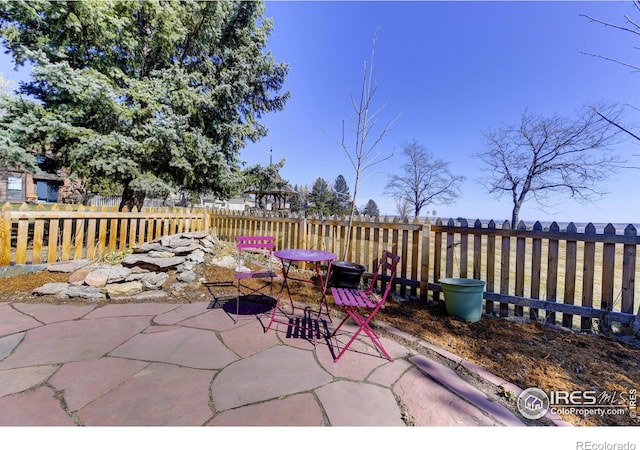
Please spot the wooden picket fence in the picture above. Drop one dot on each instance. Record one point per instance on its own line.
(586, 276)
(44, 236)
(577, 278)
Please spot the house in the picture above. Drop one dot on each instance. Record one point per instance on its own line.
(45, 185)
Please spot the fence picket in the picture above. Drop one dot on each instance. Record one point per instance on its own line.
(552, 271)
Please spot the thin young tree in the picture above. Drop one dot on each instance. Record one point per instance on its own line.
(425, 180)
(363, 153)
(542, 158)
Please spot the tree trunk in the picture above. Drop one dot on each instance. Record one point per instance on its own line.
(515, 215)
(131, 198)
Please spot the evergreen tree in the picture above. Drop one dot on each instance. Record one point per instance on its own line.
(320, 198)
(154, 96)
(298, 202)
(342, 199)
(371, 209)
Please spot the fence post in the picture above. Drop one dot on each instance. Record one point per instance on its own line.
(424, 271)
(5, 235)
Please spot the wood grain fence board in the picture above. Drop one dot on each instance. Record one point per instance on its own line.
(405, 260)
(608, 271)
(52, 253)
(571, 257)
(536, 270)
(520, 269)
(91, 235)
(5, 235)
(505, 269)
(464, 250)
(78, 244)
(477, 252)
(629, 255)
(437, 259)
(133, 232)
(102, 236)
(38, 240)
(415, 255)
(426, 261)
(588, 274)
(113, 235)
(552, 273)
(22, 238)
(450, 255)
(491, 264)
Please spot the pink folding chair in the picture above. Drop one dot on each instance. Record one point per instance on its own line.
(248, 248)
(363, 305)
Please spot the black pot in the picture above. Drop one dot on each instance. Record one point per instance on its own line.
(345, 274)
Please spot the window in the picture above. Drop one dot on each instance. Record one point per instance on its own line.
(14, 188)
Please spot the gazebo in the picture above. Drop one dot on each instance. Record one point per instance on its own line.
(276, 197)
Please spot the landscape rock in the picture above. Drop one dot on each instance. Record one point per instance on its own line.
(115, 273)
(21, 269)
(151, 263)
(68, 266)
(169, 262)
(126, 289)
(50, 289)
(197, 256)
(97, 278)
(150, 296)
(85, 292)
(77, 278)
(186, 276)
(153, 280)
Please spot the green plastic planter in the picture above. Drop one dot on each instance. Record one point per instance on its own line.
(463, 297)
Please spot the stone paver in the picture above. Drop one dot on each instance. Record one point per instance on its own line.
(46, 313)
(153, 364)
(430, 403)
(348, 403)
(297, 410)
(77, 340)
(8, 343)
(17, 380)
(160, 394)
(33, 408)
(12, 321)
(189, 347)
(270, 374)
(85, 381)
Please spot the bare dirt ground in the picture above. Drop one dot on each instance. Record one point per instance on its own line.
(527, 354)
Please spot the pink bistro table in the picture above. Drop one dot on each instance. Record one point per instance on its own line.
(289, 256)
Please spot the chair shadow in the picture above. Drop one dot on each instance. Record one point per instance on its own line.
(248, 305)
(337, 343)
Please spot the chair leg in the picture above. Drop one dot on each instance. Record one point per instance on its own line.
(363, 325)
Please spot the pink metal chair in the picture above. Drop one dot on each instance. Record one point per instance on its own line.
(363, 305)
(263, 247)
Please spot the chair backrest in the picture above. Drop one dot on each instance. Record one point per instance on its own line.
(387, 262)
(257, 243)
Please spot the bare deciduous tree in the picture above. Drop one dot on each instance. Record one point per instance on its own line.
(363, 154)
(542, 157)
(403, 208)
(425, 180)
(631, 26)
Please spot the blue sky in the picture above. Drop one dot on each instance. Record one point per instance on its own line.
(449, 70)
